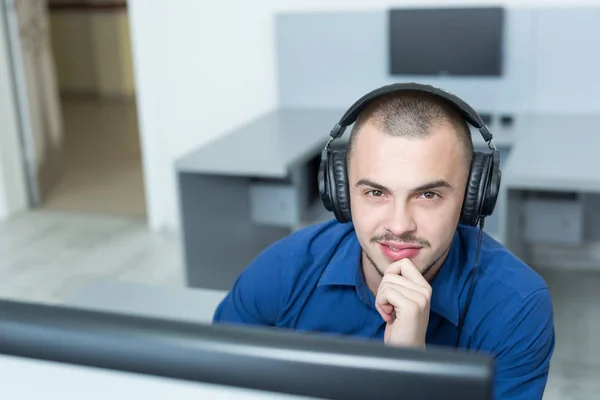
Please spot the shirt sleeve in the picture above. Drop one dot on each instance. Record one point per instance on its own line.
(256, 295)
(522, 365)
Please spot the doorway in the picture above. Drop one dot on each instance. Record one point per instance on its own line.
(89, 158)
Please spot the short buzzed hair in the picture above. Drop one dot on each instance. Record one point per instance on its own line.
(413, 115)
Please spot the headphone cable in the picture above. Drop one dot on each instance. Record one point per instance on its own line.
(470, 293)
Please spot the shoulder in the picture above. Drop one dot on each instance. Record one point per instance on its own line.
(514, 304)
(302, 252)
(513, 320)
(260, 292)
(500, 268)
(311, 241)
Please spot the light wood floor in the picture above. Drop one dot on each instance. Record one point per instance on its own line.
(47, 254)
(103, 158)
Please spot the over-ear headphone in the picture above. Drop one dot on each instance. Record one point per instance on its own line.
(483, 185)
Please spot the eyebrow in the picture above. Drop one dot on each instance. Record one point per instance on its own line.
(440, 183)
(374, 185)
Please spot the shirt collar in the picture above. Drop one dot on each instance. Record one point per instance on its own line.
(446, 285)
(344, 266)
(343, 269)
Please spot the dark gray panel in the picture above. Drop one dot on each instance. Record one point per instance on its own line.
(591, 217)
(218, 237)
(436, 41)
(330, 59)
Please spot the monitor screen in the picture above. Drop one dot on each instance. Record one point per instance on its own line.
(222, 356)
(450, 41)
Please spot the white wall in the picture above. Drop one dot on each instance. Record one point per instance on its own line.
(205, 67)
(191, 85)
(202, 68)
(13, 190)
(92, 52)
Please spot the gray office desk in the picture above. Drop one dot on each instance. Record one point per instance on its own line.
(555, 158)
(192, 305)
(254, 186)
(216, 186)
(558, 152)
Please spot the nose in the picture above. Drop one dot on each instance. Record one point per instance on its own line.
(399, 219)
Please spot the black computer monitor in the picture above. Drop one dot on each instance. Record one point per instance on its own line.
(446, 41)
(242, 357)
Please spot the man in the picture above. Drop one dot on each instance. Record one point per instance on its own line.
(401, 270)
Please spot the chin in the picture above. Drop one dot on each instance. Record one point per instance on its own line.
(417, 261)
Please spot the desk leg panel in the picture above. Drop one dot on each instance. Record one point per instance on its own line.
(219, 239)
(514, 238)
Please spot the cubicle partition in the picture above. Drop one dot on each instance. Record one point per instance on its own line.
(261, 177)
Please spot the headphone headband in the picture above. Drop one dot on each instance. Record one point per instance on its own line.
(466, 111)
(484, 174)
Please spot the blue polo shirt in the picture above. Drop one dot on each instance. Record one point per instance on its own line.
(312, 281)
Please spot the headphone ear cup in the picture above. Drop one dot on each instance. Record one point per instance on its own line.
(493, 184)
(475, 191)
(338, 184)
(324, 185)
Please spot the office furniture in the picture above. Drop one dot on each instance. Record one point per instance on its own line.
(248, 189)
(328, 59)
(551, 188)
(426, 41)
(193, 305)
(258, 184)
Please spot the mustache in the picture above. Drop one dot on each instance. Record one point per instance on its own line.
(406, 238)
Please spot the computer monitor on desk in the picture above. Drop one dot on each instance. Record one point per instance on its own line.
(262, 361)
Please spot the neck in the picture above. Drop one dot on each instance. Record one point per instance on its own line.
(373, 276)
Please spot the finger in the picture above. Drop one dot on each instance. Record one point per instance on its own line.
(412, 273)
(387, 317)
(395, 267)
(407, 268)
(383, 306)
(395, 298)
(402, 281)
(421, 300)
(386, 311)
(389, 300)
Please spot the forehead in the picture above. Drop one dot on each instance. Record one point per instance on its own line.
(379, 156)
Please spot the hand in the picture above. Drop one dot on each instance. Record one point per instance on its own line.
(403, 301)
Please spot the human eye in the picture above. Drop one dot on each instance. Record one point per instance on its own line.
(374, 193)
(429, 196)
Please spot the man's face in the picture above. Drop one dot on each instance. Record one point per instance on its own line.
(406, 194)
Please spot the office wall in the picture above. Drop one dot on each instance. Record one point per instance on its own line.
(112, 53)
(567, 60)
(551, 56)
(191, 85)
(353, 58)
(13, 190)
(73, 51)
(92, 51)
(203, 68)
